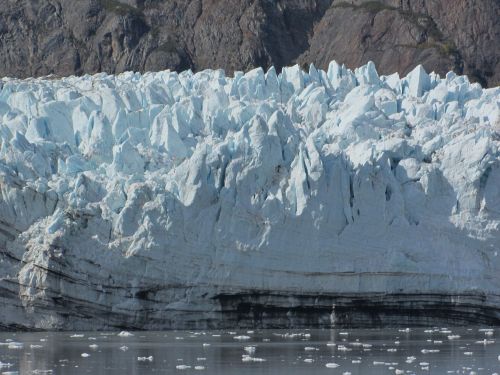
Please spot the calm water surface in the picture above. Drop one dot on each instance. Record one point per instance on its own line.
(387, 351)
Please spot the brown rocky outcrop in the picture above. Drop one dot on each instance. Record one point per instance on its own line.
(63, 37)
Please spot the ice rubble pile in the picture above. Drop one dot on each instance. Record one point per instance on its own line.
(260, 181)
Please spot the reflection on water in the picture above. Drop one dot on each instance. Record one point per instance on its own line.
(386, 351)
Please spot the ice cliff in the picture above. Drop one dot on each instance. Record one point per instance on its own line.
(198, 200)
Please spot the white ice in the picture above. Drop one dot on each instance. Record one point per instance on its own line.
(322, 182)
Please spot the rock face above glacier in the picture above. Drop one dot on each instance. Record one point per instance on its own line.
(198, 200)
(67, 37)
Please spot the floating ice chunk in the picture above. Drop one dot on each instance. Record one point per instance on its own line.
(332, 365)
(125, 334)
(426, 351)
(248, 358)
(485, 342)
(241, 337)
(343, 348)
(199, 368)
(15, 345)
(85, 355)
(249, 349)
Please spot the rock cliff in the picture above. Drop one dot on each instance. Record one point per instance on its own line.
(65, 37)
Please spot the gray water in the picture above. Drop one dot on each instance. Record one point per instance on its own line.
(384, 351)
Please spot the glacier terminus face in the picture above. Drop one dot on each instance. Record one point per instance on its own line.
(179, 200)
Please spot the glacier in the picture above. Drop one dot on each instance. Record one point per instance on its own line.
(196, 200)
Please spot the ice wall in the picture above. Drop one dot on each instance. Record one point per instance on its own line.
(179, 200)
